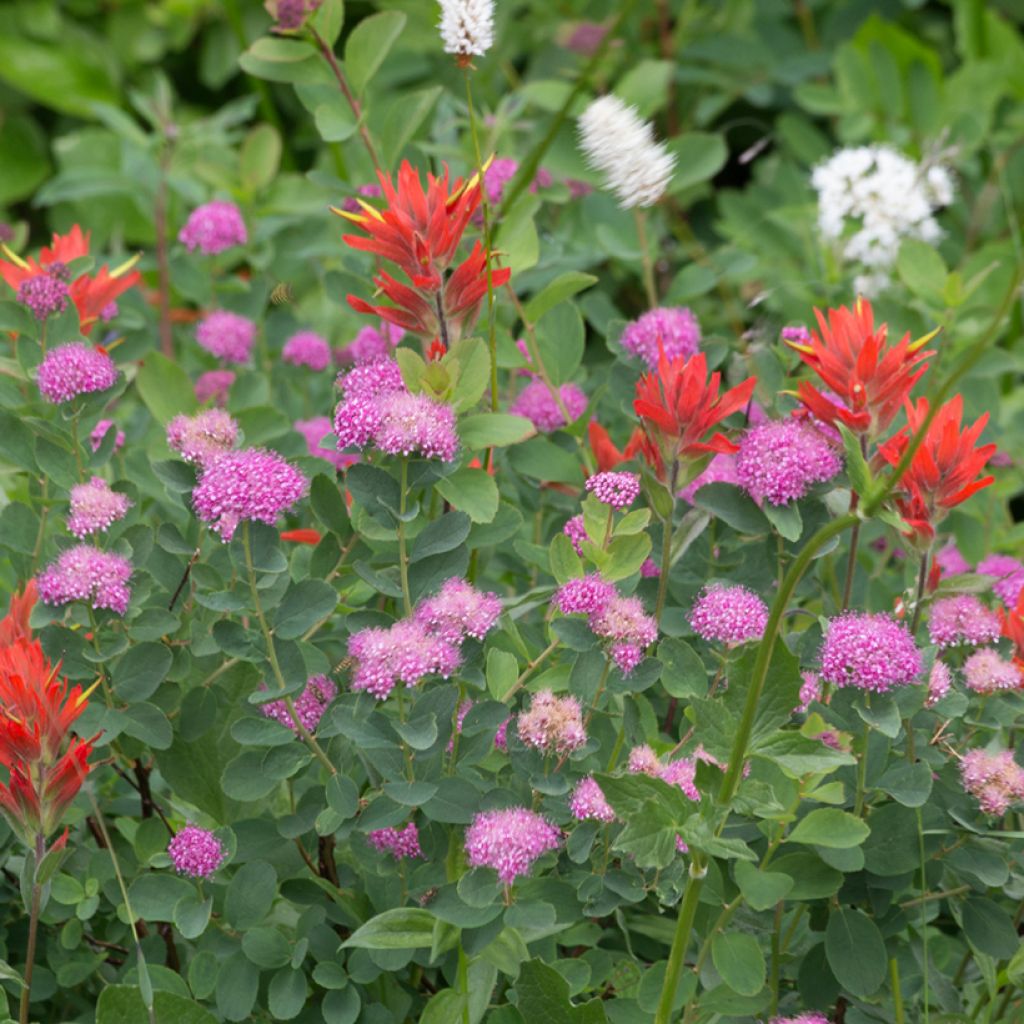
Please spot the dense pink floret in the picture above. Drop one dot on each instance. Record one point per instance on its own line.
(552, 724)
(962, 619)
(588, 802)
(1010, 573)
(44, 294)
(307, 349)
(95, 507)
(204, 437)
(99, 432)
(870, 652)
(780, 460)
(584, 595)
(309, 706)
(509, 841)
(213, 227)
(619, 490)
(196, 852)
(72, 370)
(322, 442)
(227, 335)
(950, 561)
(986, 672)
(85, 573)
(940, 681)
(720, 470)
(576, 532)
(405, 653)
(214, 386)
(371, 344)
(731, 615)
(538, 405)
(400, 843)
(673, 330)
(459, 610)
(995, 780)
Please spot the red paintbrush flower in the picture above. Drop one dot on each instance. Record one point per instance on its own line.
(680, 404)
(419, 231)
(301, 536)
(90, 293)
(605, 452)
(944, 470)
(14, 625)
(868, 379)
(1013, 628)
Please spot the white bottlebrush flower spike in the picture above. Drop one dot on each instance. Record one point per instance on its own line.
(870, 198)
(467, 26)
(616, 142)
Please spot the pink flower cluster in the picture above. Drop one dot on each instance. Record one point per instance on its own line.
(84, 573)
(950, 561)
(213, 227)
(401, 843)
(309, 706)
(810, 691)
(576, 532)
(1010, 573)
(681, 772)
(322, 443)
(44, 294)
(509, 841)
(780, 460)
(75, 369)
(196, 852)
(370, 344)
(803, 1018)
(985, 672)
(552, 724)
(940, 680)
(427, 643)
(731, 615)
(538, 405)
(377, 408)
(202, 438)
(962, 619)
(995, 780)
(619, 490)
(588, 802)
(95, 507)
(214, 385)
(249, 484)
(307, 348)
(99, 432)
(227, 335)
(672, 330)
(870, 652)
(720, 470)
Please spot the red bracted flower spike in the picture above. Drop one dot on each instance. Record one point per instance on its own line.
(605, 452)
(1013, 628)
(301, 536)
(89, 293)
(680, 404)
(14, 625)
(944, 470)
(868, 379)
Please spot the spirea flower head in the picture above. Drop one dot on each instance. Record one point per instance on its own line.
(803, 1018)
(720, 470)
(810, 691)
(404, 653)
(372, 343)
(1010, 577)
(501, 736)
(417, 425)
(501, 171)
(619, 490)
(779, 461)
(588, 802)
(213, 227)
(467, 27)
(538, 405)
(576, 532)
(227, 335)
(870, 652)
(108, 312)
(460, 717)
(643, 760)
(196, 852)
(552, 724)
(962, 619)
(680, 772)
(584, 595)
(986, 672)
(459, 610)
(214, 385)
(75, 369)
(95, 507)
(623, 621)
(940, 681)
(322, 443)
(995, 779)
(509, 841)
(307, 348)
(731, 615)
(99, 432)
(84, 573)
(44, 295)
(950, 561)
(673, 330)
(248, 484)
(204, 437)
(401, 843)
(616, 142)
(650, 569)
(310, 705)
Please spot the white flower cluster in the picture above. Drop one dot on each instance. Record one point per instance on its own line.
(467, 27)
(616, 142)
(871, 198)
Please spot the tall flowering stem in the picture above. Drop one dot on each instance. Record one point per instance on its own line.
(730, 783)
(645, 257)
(275, 665)
(403, 558)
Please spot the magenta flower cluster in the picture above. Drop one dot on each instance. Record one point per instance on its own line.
(309, 706)
(252, 484)
(459, 610)
(619, 490)
(509, 841)
(986, 672)
(309, 349)
(401, 843)
(552, 724)
(672, 330)
(85, 573)
(95, 507)
(377, 408)
(44, 294)
(962, 619)
(940, 681)
(226, 335)
(99, 432)
(803, 1018)
(720, 470)
(681, 772)
(321, 442)
(370, 344)
(950, 561)
(213, 227)
(780, 460)
(870, 651)
(731, 615)
(196, 852)
(539, 406)
(588, 802)
(75, 369)
(213, 386)
(1009, 573)
(576, 531)
(994, 779)
(203, 438)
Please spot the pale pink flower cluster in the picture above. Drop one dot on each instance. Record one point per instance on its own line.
(650, 569)
(681, 772)
(309, 706)
(95, 507)
(986, 672)
(307, 348)
(720, 470)
(950, 561)
(202, 438)
(995, 780)
(538, 405)
(619, 490)
(940, 681)
(810, 691)
(371, 343)
(673, 331)
(226, 335)
(99, 433)
(510, 841)
(870, 652)
(321, 442)
(588, 802)
(731, 615)
(401, 843)
(552, 724)
(459, 610)
(1010, 577)
(576, 532)
(213, 386)
(803, 1018)
(85, 573)
(962, 619)
(213, 227)
(196, 852)
(74, 369)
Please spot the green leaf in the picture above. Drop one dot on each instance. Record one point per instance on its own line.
(192, 915)
(785, 518)
(738, 959)
(328, 20)
(625, 556)
(303, 606)
(799, 755)
(683, 673)
(733, 507)
(146, 722)
(649, 837)
(287, 994)
(275, 50)
(369, 44)
(989, 928)
(154, 896)
(141, 671)
(473, 491)
(328, 504)
(542, 996)
(250, 894)
(445, 533)
(502, 672)
(334, 120)
(165, 388)
(645, 85)
(494, 429)
(122, 1004)
(855, 951)
(562, 339)
(26, 163)
(565, 563)
(908, 784)
(830, 827)
(921, 269)
(474, 363)
(699, 156)
(342, 796)
(565, 286)
(761, 889)
(400, 928)
(260, 157)
(857, 468)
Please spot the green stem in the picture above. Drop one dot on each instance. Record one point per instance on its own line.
(851, 561)
(464, 983)
(684, 924)
(897, 995)
(776, 957)
(33, 932)
(922, 581)
(77, 448)
(666, 545)
(645, 257)
(403, 560)
(530, 669)
(275, 665)
(862, 773)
